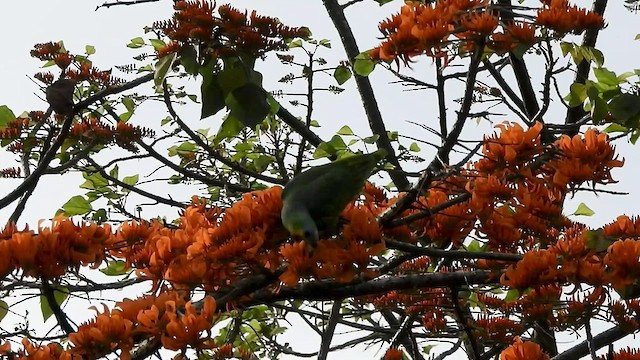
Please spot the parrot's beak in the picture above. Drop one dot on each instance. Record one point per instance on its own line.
(310, 240)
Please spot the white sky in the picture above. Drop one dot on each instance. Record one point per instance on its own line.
(27, 22)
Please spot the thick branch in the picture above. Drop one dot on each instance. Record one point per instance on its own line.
(329, 290)
(601, 340)
(336, 13)
(582, 73)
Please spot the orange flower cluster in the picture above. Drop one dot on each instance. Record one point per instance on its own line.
(46, 51)
(342, 258)
(577, 311)
(575, 258)
(497, 329)
(625, 314)
(623, 263)
(93, 131)
(512, 200)
(52, 251)
(52, 351)
(563, 18)
(623, 227)
(229, 34)
(425, 28)
(54, 52)
(537, 267)
(538, 303)
(451, 225)
(94, 75)
(526, 350)
(623, 354)
(394, 354)
(13, 128)
(12, 172)
(590, 158)
(147, 316)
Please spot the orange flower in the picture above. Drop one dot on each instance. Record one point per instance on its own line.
(522, 32)
(623, 226)
(394, 354)
(482, 23)
(563, 18)
(501, 330)
(501, 43)
(626, 354)
(588, 158)
(300, 265)
(622, 261)
(536, 268)
(512, 146)
(523, 351)
(186, 330)
(108, 332)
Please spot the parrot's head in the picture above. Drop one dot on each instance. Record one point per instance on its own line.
(301, 227)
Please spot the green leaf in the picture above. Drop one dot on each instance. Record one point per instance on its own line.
(114, 171)
(371, 139)
(393, 135)
(363, 65)
(100, 216)
(212, 94)
(614, 128)
(295, 44)
(136, 43)
(414, 147)
(89, 49)
(77, 205)
(128, 103)
(345, 130)
(625, 107)
(115, 268)
(157, 44)
(188, 59)
(6, 115)
(606, 76)
(60, 294)
(512, 295)
(427, 348)
(326, 43)
(93, 181)
(577, 94)
(4, 309)
(231, 126)
(324, 150)
(342, 74)
(337, 143)
(599, 109)
(382, 2)
(583, 210)
(130, 180)
(249, 104)
(634, 137)
(162, 68)
(566, 48)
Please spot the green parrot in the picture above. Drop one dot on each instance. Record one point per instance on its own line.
(313, 200)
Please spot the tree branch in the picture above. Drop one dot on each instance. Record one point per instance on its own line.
(336, 13)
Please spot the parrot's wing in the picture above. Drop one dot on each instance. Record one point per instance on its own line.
(325, 190)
